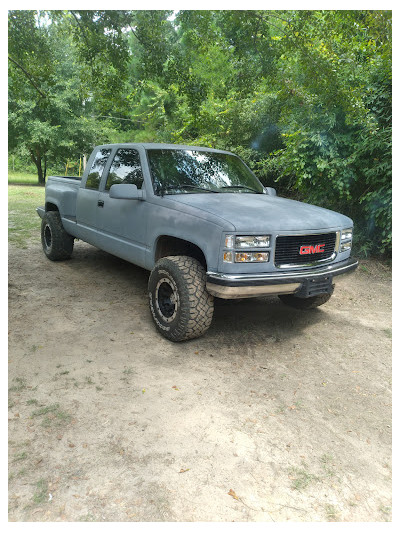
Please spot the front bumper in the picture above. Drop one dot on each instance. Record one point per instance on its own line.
(230, 286)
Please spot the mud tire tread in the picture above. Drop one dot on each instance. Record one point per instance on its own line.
(62, 243)
(196, 305)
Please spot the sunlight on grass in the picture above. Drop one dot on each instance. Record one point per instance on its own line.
(22, 178)
(23, 221)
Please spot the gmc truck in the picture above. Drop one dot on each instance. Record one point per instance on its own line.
(204, 226)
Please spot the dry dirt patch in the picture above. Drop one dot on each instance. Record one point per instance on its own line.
(274, 415)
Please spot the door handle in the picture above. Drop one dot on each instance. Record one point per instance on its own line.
(100, 203)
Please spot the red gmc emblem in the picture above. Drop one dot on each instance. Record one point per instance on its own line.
(309, 249)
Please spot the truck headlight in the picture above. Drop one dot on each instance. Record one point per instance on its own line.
(251, 257)
(346, 239)
(252, 241)
(229, 241)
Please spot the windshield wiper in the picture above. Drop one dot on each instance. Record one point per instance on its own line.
(186, 186)
(240, 187)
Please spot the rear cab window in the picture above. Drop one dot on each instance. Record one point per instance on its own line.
(97, 169)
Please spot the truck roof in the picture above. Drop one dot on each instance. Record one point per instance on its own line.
(161, 146)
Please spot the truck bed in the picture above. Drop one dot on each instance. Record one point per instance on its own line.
(61, 190)
(76, 178)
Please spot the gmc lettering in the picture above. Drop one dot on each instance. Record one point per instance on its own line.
(318, 249)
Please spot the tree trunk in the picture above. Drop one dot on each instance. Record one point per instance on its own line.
(45, 169)
(37, 159)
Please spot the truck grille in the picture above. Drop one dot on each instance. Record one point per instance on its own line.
(301, 249)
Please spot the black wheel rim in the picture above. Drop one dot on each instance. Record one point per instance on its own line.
(47, 236)
(167, 299)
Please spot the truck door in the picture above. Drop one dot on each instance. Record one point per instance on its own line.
(88, 197)
(123, 223)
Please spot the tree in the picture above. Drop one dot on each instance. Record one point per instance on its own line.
(48, 115)
(303, 96)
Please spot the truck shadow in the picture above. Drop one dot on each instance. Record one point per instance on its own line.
(258, 320)
(252, 320)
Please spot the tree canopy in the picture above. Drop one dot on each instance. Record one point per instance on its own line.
(303, 96)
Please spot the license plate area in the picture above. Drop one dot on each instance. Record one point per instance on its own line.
(315, 286)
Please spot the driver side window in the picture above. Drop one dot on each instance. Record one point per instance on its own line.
(125, 168)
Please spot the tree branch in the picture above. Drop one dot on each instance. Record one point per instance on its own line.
(82, 32)
(28, 76)
(136, 35)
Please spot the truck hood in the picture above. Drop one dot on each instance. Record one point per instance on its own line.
(261, 212)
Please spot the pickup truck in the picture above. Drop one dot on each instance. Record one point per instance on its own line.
(203, 224)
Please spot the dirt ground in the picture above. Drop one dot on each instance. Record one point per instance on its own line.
(274, 415)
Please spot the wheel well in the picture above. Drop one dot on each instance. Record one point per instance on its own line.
(51, 207)
(167, 245)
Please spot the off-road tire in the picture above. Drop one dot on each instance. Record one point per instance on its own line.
(56, 242)
(304, 303)
(180, 305)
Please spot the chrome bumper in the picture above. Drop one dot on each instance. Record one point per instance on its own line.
(251, 285)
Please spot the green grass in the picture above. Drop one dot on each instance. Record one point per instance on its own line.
(388, 332)
(22, 178)
(20, 385)
(20, 457)
(40, 494)
(332, 514)
(52, 415)
(23, 221)
(32, 401)
(301, 478)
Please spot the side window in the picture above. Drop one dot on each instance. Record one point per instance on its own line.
(125, 168)
(96, 170)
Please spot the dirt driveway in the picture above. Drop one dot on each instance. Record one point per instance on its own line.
(274, 415)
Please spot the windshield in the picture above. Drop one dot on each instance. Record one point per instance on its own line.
(190, 171)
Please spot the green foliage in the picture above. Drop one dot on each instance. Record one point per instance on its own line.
(303, 96)
(48, 117)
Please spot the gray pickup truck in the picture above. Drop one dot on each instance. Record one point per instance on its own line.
(203, 224)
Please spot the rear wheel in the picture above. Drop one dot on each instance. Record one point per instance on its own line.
(304, 303)
(181, 307)
(56, 242)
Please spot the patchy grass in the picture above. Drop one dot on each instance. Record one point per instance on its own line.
(40, 494)
(332, 514)
(87, 518)
(20, 385)
(127, 373)
(386, 511)
(20, 457)
(388, 332)
(301, 478)
(23, 221)
(58, 375)
(32, 401)
(52, 415)
(328, 464)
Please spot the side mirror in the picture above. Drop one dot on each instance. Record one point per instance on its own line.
(125, 191)
(270, 190)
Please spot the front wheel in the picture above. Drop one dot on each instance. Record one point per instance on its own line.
(181, 307)
(56, 242)
(305, 303)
